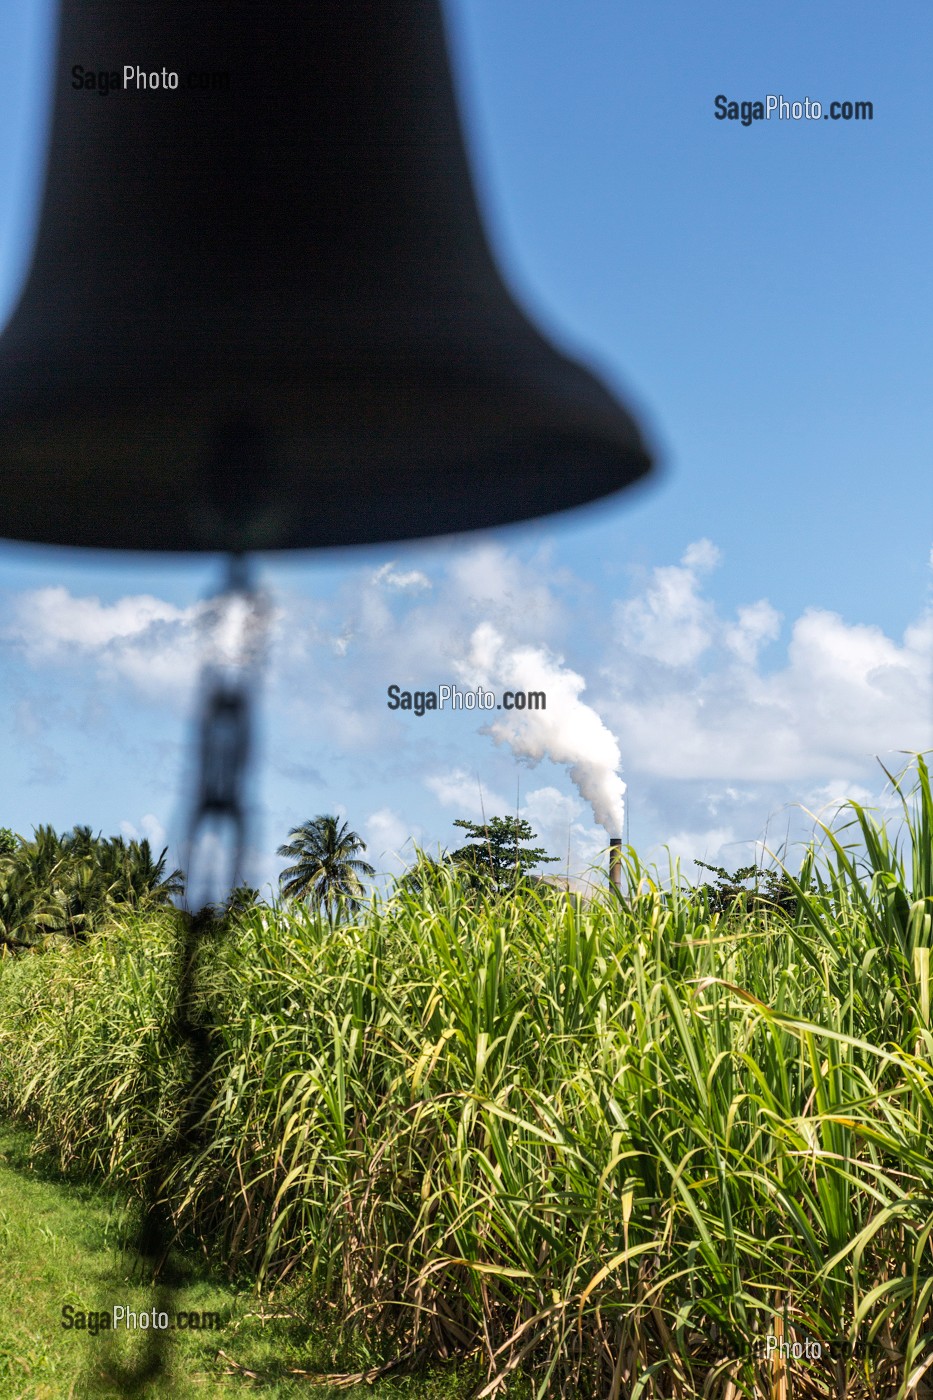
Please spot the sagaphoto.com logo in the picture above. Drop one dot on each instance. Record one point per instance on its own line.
(776, 106)
(421, 702)
(136, 78)
(120, 1317)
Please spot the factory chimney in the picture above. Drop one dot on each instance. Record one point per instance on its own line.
(615, 862)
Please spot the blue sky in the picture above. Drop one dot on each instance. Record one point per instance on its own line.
(747, 633)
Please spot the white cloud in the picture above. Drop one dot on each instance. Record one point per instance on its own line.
(716, 845)
(144, 640)
(827, 800)
(701, 554)
(407, 580)
(488, 582)
(390, 841)
(670, 621)
(846, 692)
(153, 645)
(757, 623)
(466, 793)
(154, 832)
(556, 818)
(49, 618)
(149, 828)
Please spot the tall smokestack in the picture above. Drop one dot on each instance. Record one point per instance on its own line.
(615, 862)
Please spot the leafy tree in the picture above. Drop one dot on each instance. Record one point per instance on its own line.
(16, 905)
(772, 890)
(326, 870)
(498, 862)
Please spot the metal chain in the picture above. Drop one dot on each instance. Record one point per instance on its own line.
(233, 634)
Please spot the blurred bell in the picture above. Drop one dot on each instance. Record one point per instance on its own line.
(262, 312)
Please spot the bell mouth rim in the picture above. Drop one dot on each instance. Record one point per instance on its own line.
(150, 491)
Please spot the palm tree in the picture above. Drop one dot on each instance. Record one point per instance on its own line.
(135, 876)
(70, 885)
(36, 876)
(21, 911)
(326, 871)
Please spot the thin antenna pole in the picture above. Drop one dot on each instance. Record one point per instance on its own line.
(764, 852)
(518, 790)
(482, 808)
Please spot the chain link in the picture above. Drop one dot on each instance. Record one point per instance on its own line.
(234, 627)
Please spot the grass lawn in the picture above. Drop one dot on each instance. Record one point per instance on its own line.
(60, 1244)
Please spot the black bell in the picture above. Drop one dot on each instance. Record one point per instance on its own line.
(262, 312)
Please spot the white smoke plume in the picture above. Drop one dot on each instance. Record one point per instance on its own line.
(568, 731)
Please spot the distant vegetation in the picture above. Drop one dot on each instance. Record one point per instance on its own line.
(327, 869)
(68, 886)
(770, 889)
(496, 864)
(608, 1144)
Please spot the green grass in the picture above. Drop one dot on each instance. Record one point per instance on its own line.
(605, 1147)
(62, 1243)
(59, 1247)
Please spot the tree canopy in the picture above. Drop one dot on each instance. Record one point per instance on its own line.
(773, 890)
(499, 858)
(69, 884)
(325, 869)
